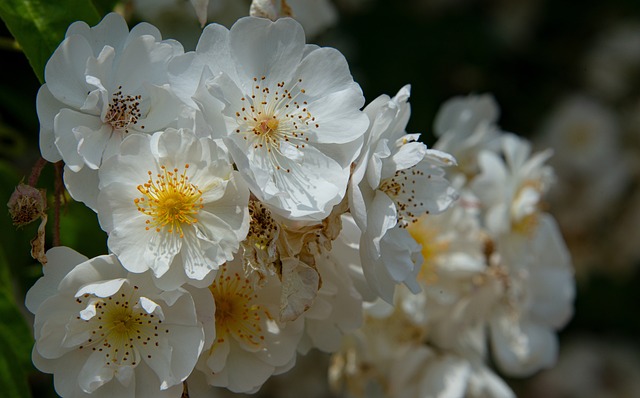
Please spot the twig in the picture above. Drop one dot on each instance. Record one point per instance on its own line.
(59, 192)
(35, 172)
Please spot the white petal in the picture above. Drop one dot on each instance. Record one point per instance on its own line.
(94, 373)
(65, 71)
(48, 107)
(82, 186)
(265, 48)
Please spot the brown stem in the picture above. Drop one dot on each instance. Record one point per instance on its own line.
(59, 192)
(35, 172)
(185, 390)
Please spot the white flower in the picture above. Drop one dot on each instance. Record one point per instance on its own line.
(103, 83)
(250, 344)
(172, 203)
(453, 254)
(291, 110)
(611, 65)
(421, 371)
(396, 179)
(337, 308)
(109, 333)
(465, 126)
(538, 300)
(511, 190)
(585, 134)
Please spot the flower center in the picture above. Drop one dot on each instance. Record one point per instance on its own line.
(237, 313)
(433, 243)
(118, 326)
(170, 201)
(260, 247)
(401, 189)
(272, 118)
(525, 213)
(124, 111)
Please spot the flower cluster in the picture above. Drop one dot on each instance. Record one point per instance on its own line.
(496, 282)
(251, 207)
(256, 209)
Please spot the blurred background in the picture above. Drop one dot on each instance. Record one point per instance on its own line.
(566, 75)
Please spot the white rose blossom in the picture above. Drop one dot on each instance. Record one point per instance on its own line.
(291, 111)
(337, 308)
(255, 212)
(172, 203)
(250, 345)
(396, 179)
(511, 190)
(102, 84)
(537, 301)
(104, 332)
(466, 125)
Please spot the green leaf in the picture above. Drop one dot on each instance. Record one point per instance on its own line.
(39, 25)
(13, 379)
(105, 6)
(15, 339)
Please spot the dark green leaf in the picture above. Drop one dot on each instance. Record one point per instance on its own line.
(15, 339)
(105, 6)
(39, 25)
(13, 380)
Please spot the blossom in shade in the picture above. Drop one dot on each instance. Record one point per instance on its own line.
(250, 345)
(106, 332)
(465, 126)
(291, 111)
(102, 84)
(511, 190)
(539, 290)
(172, 203)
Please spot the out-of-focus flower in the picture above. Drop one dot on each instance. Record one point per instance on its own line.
(614, 60)
(172, 203)
(464, 127)
(585, 134)
(539, 290)
(511, 190)
(105, 332)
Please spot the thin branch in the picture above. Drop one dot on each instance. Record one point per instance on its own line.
(35, 172)
(59, 192)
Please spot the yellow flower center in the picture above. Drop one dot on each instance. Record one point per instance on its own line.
(527, 224)
(237, 313)
(170, 201)
(119, 327)
(272, 116)
(433, 246)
